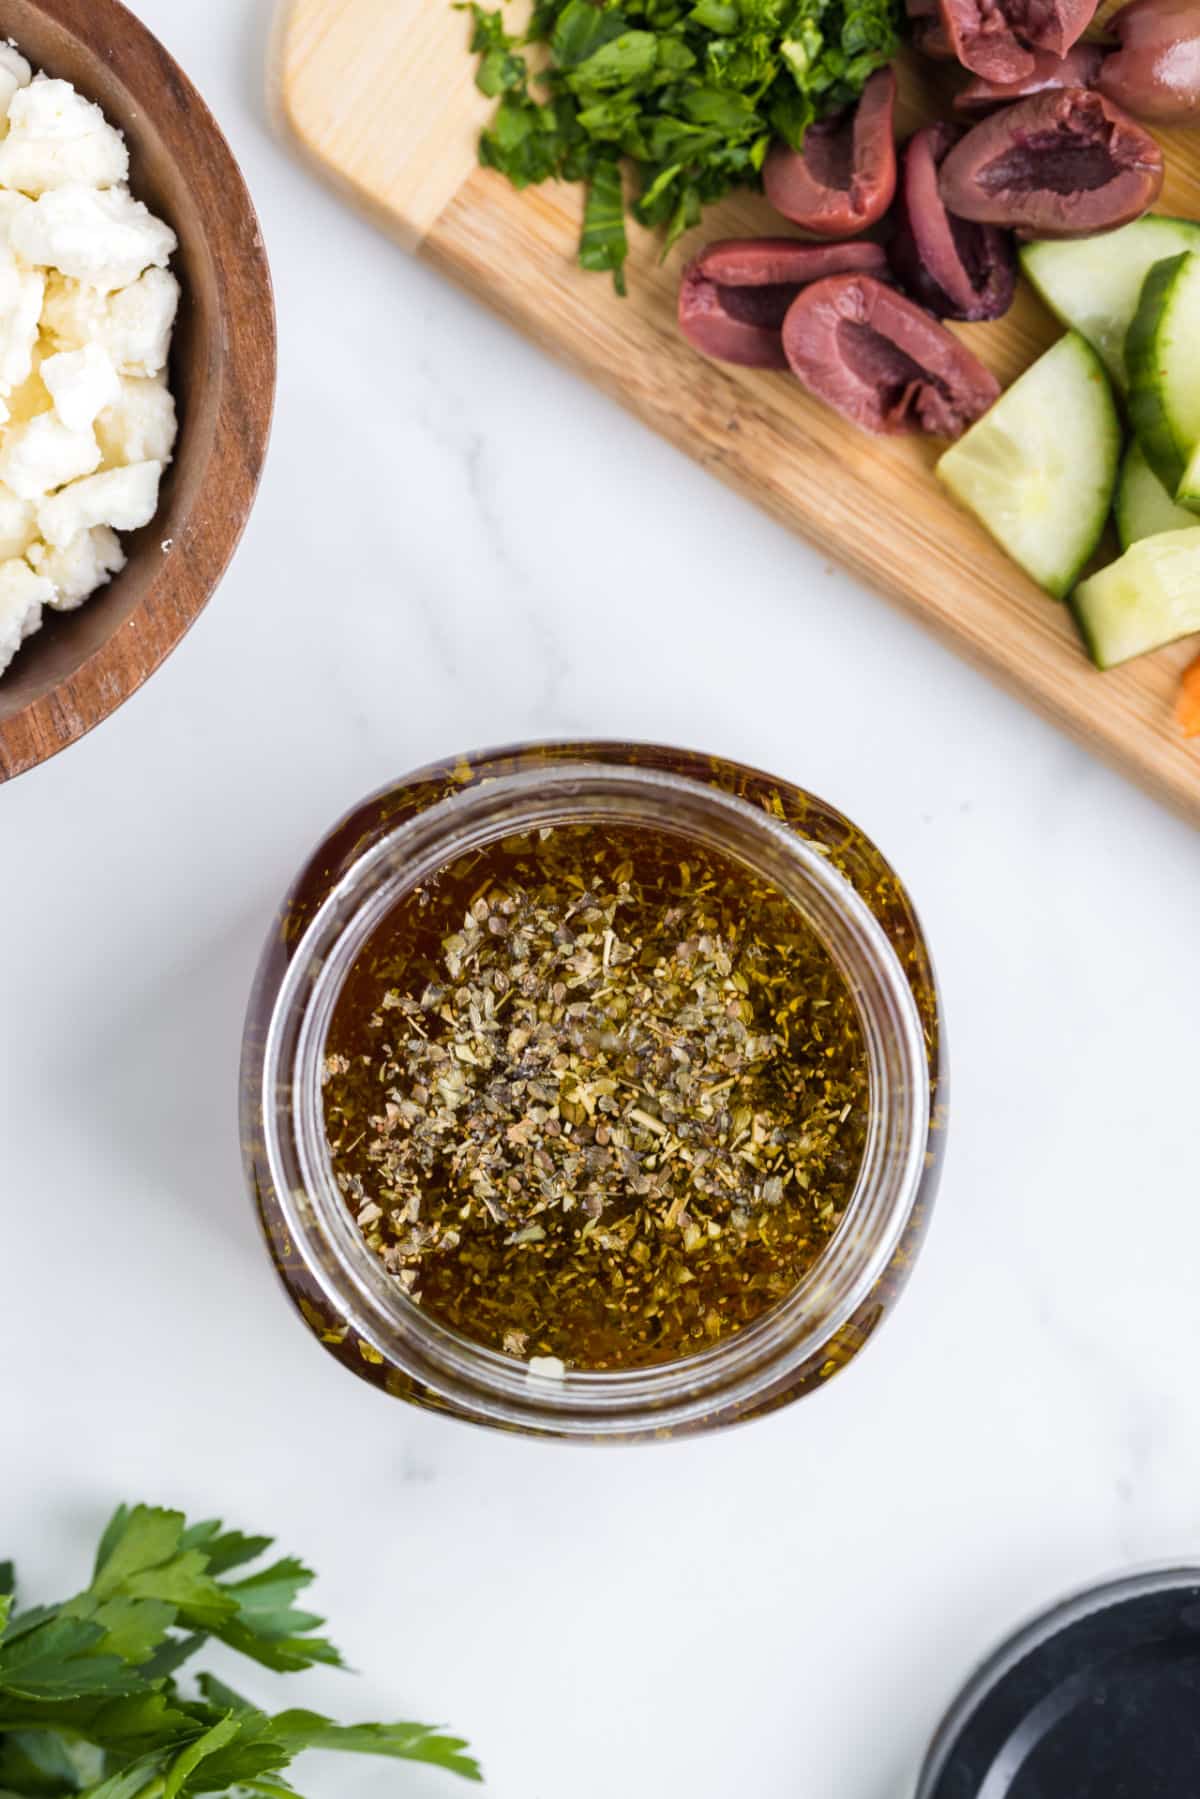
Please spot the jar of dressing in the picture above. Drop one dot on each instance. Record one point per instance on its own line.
(594, 1090)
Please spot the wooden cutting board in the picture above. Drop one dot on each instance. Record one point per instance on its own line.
(380, 94)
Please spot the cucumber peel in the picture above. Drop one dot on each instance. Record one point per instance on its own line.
(1189, 488)
(1093, 284)
(1149, 598)
(1163, 365)
(1038, 470)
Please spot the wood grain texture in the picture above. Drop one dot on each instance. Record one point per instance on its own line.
(82, 665)
(872, 505)
(401, 149)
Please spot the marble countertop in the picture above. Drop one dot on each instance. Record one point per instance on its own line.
(458, 544)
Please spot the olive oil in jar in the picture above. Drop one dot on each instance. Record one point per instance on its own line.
(595, 1093)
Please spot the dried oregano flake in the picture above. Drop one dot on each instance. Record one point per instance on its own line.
(596, 1093)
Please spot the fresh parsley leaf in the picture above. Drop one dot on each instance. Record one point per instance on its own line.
(131, 1628)
(22, 1622)
(89, 1707)
(268, 1627)
(523, 141)
(186, 1764)
(170, 1656)
(243, 1747)
(285, 1655)
(143, 1557)
(42, 1763)
(223, 1549)
(580, 31)
(221, 1697)
(719, 16)
(625, 62)
(134, 1539)
(604, 244)
(407, 1742)
(129, 1782)
(127, 1725)
(60, 1660)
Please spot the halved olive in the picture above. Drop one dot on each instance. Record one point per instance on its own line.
(735, 295)
(845, 177)
(1078, 68)
(882, 362)
(997, 38)
(1064, 164)
(958, 269)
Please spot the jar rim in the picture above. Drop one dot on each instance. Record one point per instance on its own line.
(473, 1377)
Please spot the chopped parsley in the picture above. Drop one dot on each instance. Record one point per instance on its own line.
(690, 95)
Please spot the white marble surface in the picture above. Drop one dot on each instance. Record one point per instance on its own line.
(458, 544)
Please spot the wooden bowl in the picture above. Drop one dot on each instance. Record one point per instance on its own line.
(81, 665)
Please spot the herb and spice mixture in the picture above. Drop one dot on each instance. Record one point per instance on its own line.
(596, 1094)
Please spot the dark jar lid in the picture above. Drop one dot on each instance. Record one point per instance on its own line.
(1098, 1698)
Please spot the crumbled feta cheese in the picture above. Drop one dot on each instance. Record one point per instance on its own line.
(22, 596)
(98, 235)
(15, 73)
(87, 308)
(18, 525)
(140, 424)
(141, 317)
(25, 402)
(56, 138)
(81, 566)
(72, 314)
(134, 325)
(82, 383)
(11, 207)
(37, 457)
(21, 296)
(125, 498)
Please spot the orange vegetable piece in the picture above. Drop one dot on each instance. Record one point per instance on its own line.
(1187, 706)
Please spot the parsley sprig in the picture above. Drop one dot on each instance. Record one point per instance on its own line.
(692, 92)
(90, 1707)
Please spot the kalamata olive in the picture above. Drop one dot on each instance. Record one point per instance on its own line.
(926, 30)
(929, 37)
(1156, 71)
(1059, 165)
(735, 294)
(997, 38)
(1078, 68)
(881, 361)
(844, 178)
(958, 269)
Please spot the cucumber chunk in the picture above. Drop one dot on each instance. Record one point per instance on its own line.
(1093, 284)
(1164, 368)
(1039, 469)
(1149, 598)
(1143, 506)
(1189, 488)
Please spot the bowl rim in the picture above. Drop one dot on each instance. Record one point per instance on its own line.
(233, 458)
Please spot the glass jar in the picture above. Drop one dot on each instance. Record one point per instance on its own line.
(847, 893)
